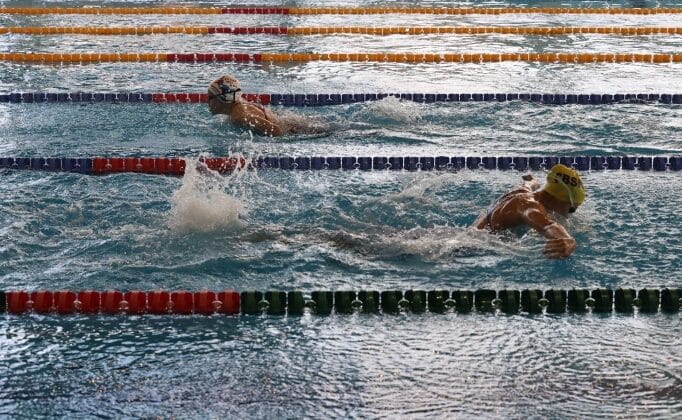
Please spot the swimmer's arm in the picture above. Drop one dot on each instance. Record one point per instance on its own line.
(481, 221)
(259, 124)
(560, 243)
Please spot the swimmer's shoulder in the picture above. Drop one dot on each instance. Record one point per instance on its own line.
(519, 194)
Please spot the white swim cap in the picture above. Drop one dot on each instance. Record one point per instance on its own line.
(224, 89)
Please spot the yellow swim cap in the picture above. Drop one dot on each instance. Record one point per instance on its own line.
(564, 183)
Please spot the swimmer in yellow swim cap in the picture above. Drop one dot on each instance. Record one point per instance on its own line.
(224, 97)
(530, 205)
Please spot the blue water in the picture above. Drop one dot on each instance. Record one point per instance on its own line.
(337, 230)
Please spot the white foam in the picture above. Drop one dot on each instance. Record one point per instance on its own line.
(202, 205)
(434, 244)
(296, 123)
(422, 188)
(393, 109)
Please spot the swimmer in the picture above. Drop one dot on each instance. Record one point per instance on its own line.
(224, 98)
(529, 205)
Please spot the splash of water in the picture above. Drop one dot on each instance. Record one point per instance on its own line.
(294, 123)
(432, 244)
(392, 109)
(202, 205)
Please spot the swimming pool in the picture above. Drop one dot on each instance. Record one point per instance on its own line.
(337, 230)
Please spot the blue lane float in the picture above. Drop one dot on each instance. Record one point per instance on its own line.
(176, 166)
(324, 99)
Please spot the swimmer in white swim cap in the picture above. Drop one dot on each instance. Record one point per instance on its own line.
(532, 206)
(224, 97)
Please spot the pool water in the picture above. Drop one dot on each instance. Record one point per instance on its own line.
(333, 230)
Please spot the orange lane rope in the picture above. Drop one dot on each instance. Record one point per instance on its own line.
(356, 30)
(332, 10)
(407, 57)
(476, 30)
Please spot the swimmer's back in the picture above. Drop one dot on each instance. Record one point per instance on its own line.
(507, 211)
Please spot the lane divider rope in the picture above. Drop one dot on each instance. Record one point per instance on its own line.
(176, 165)
(331, 10)
(323, 302)
(352, 30)
(407, 57)
(323, 99)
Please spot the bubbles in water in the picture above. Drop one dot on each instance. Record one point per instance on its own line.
(74, 214)
(422, 188)
(202, 205)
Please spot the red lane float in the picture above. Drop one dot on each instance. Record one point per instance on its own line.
(205, 302)
(182, 302)
(255, 10)
(17, 302)
(158, 302)
(162, 166)
(224, 165)
(194, 98)
(111, 302)
(88, 302)
(229, 302)
(42, 301)
(202, 98)
(169, 166)
(64, 302)
(210, 57)
(274, 30)
(133, 302)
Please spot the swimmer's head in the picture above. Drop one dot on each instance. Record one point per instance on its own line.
(224, 89)
(564, 184)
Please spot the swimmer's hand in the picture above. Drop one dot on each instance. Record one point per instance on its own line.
(559, 248)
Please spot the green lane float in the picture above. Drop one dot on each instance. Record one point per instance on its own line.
(603, 300)
(295, 303)
(250, 302)
(670, 300)
(485, 300)
(323, 302)
(370, 301)
(416, 301)
(579, 300)
(464, 301)
(556, 301)
(276, 302)
(437, 299)
(648, 300)
(509, 301)
(532, 301)
(344, 301)
(391, 301)
(625, 300)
